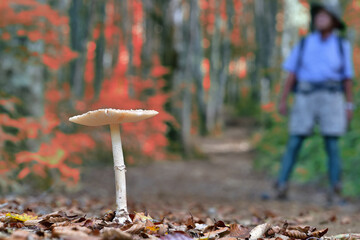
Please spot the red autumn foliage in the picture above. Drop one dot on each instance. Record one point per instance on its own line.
(352, 19)
(56, 153)
(206, 70)
(37, 21)
(54, 149)
(157, 70)
(268, 107)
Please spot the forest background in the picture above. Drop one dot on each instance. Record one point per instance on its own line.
(199, 63)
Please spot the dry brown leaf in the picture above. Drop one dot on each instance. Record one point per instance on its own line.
(273, 230)
(15, 224)
(149, 223)
(135, 228)
(259, 231)
(69, 233)
(163, 229)
(221, 232)
(62, 224)
(214, 226)
(176, 236)
(53, 214)
(45, 224)
(29, 223)
(296, 234)
(281, 237)
(115, 234)
(75, 228)
(284, 227)
(23, 235)
(58, 219)
(239, 231)
(109, 216)
(149, 236)
(141, 217)
(319, 233)
(304, 229)
(93, 224)
(190, 223)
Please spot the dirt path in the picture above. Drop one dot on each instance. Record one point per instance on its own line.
(223, 183)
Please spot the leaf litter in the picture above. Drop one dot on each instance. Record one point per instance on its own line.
(21, 219)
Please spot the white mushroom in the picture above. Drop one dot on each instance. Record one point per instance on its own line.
(114, 117)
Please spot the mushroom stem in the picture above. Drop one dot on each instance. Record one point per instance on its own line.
(122, 214)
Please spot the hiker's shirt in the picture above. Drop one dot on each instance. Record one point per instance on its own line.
(321, 59)
(320, 66)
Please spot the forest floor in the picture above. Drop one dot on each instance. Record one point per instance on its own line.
(224, 185)
(221, 186)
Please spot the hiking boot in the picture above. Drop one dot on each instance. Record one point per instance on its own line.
(281, 191)
(334, 197)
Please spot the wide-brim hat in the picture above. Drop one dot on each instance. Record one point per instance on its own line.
(333, 10)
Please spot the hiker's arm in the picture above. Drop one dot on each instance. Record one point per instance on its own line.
(348, 90)
(348, 75)
(289, 83)
(349, 98)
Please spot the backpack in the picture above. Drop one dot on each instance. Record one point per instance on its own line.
(301, 51)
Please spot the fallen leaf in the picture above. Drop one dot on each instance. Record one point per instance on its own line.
(296, 234)
(29, 223)
(135, 228)
(319, 233)
(69, 233)
(190, 223)
(20, 217)
(176, 236)
(200, 227)
(163, 229)
(109, 216)
(218, 233)
(259, 231)
(273, 230)
(23, 235)
(239, 231)
(141, 217)
(115, 233)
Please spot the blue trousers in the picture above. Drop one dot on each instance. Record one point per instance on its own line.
(293, 147)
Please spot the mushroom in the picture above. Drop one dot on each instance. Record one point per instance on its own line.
(114, 117)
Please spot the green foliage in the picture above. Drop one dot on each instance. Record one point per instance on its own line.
(247, 107)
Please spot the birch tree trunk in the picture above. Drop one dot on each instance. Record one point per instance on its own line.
(214, 74)
(265, 33)
(80, 35)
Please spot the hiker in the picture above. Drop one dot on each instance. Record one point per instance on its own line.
(320, 73)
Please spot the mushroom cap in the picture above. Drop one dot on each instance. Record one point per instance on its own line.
(112, 116)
